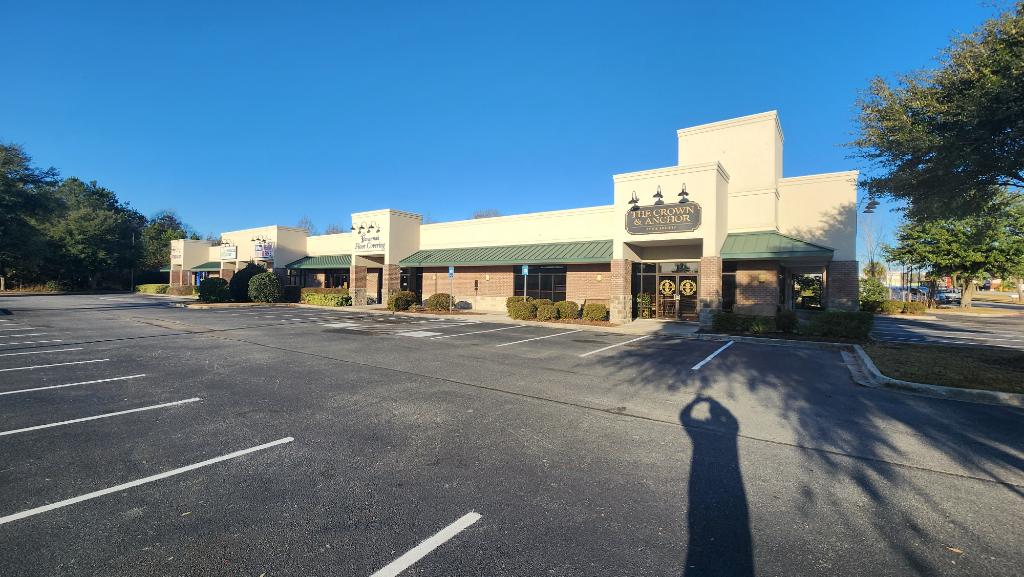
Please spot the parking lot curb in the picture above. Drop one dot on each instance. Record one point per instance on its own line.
(936, 391)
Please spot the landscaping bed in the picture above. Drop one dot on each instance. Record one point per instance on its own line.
(987, 369)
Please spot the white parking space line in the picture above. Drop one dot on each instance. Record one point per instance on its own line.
(21, 335)
(479, 332)
(341, 325)
(615, 345)
(711, 356)
(32, 342)
(71, 385)
(94, 417)
(40, 352)
(19, 329)
(52, 365)
(423, 549)
(417, 334)
(143, 481)
(539, 338)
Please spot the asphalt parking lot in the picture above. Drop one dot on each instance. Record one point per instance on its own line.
(957, 329)
(143, 439)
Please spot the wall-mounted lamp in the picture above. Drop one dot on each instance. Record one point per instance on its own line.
(683, 195)
(487, 277)
(599, 277)
(658, 196)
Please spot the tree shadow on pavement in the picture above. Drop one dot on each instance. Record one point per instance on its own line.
(718, 521)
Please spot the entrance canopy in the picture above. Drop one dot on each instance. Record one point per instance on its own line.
(548, 253)
(212, 266)
(323, 262)
(771, 245)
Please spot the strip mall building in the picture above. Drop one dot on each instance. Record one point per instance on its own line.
(722, 229)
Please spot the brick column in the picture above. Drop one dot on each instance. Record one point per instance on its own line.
(357, 286)
(391, 281)
(710, 288)
(227, 273)
(842, 282)
(620, 289)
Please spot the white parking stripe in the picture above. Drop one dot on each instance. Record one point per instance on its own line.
(143, 481)
(615, 345)
(53, 365)
(423, 549)
(71, 385)
(478, 332)
(94, 417)
(711, 356)
(32, 342)
(39, 352)
(416, 334)
(539, 338)
(21, 335)
(19, 329)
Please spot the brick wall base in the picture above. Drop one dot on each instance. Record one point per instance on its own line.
(757, 288)
(620, 291)
(842, 283)
(710, 288)
(392, 281)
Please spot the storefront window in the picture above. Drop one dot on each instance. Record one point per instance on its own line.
(808, 290)
(294, 278)
(336, 278)
(542, 282)
(728, 285)
(411, 279)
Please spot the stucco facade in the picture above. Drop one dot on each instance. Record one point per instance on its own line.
(722, 228)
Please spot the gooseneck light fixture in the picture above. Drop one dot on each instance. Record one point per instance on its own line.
(658, 196)
(684, 196)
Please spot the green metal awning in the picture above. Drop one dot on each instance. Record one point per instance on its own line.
(326, 261)
(770, 245)
(165, 269)
(212, 266)
(548, 253)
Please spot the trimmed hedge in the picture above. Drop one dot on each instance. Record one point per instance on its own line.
(523, 310)
(511, 300)
(214, 290)
(239, 283)
(265, 288)
(891, 307)
(595, 312)
(541, 302)
(327, 299)
(841, 324)
(727, 322)
(323, 291)
(568, 309)
(439, 302)
(153, 289)
(547, 313)
(57, 286)
(401, 301)
(181, 290)
(914, 308)
(786, 321)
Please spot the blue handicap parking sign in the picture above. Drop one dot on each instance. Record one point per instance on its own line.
(451, 272)
(526, 269)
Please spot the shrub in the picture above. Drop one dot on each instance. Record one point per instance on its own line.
(239, 283)
(327, 299)
(291, 294)
(595, 312)
(542, 302)
(510, 300)
(914, 308)
(841, 324)
(733, 323)
(214, 290)
(181, 290)
(265, 288)
(786, 321)
(523, 310)
(568, 310)
(323, 291)
(547, 313)
(762, 325)
(891, 307)
(872, 294)
(401, 301)
(153, 289)
(57, 286)
(439, 302)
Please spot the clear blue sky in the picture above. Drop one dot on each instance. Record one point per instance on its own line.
(250, 113)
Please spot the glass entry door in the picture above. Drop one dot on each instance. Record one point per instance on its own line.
(677, 297)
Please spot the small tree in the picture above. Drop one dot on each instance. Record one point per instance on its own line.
(872, 294)
(240, 282)
(214, 290)
(265, 288)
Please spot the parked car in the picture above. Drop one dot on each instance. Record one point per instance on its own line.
(947, 297)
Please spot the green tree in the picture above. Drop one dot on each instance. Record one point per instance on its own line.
(26, 194)
(160, 230)
(93, 235)
(949, 141)
(966, 249)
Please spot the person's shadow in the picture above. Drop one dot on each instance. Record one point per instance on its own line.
(718, 520)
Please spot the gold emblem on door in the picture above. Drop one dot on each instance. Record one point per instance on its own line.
(688, 287)
(667, 287)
